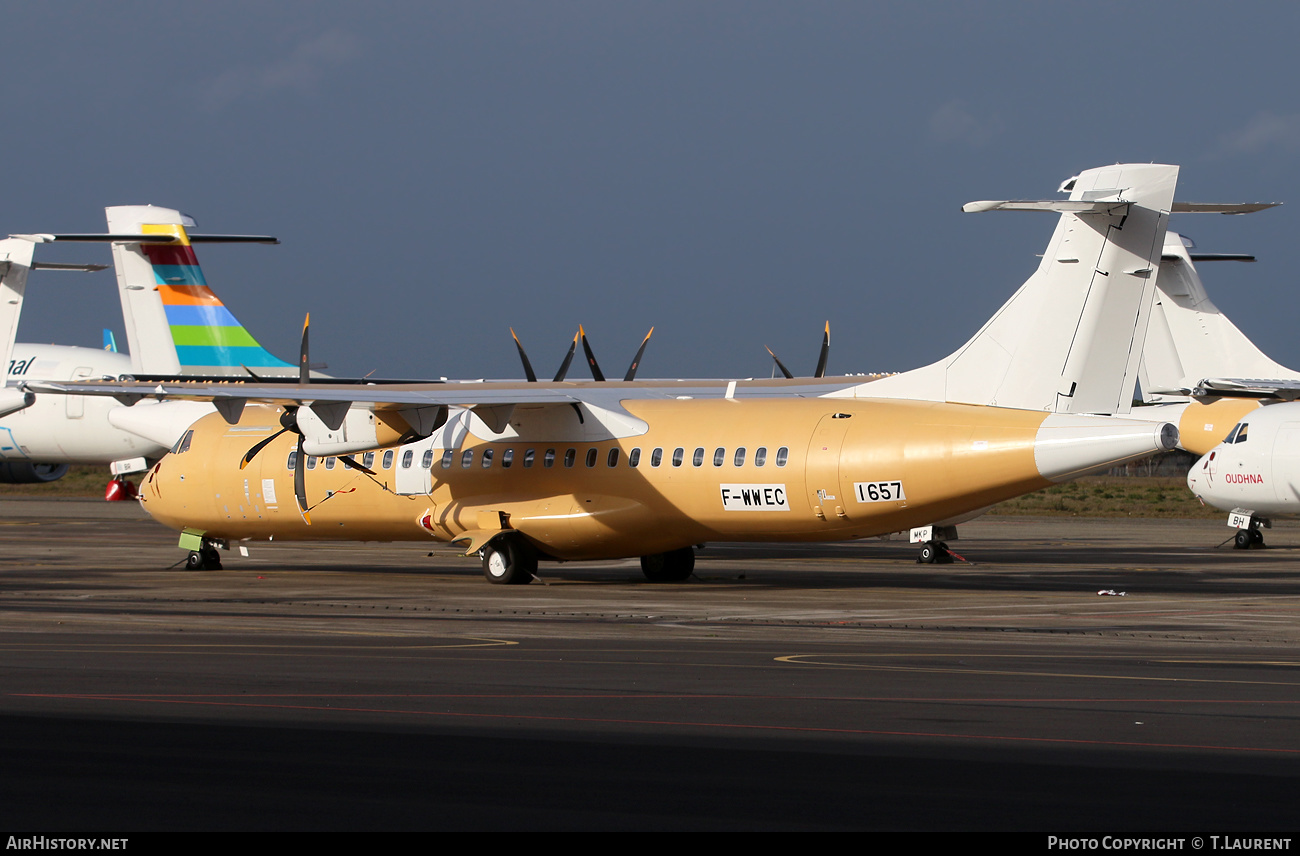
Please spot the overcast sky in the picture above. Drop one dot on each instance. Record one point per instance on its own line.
(732, 173)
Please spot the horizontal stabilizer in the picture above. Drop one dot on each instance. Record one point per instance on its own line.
(59, 266)
(1287, 390)
(1214, 257)
(1221, 207)
(85, 238)
(1056, 206)
(1110, 206)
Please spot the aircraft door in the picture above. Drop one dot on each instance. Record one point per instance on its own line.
(822, 468)
(414, 464)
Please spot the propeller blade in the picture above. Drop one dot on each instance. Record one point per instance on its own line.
(636, 361)
(826, 351)
(300, 482)
(528, 367)
(349, 461)
(780, 365)
(596, 373)
(304, 366)
(252, 453)
(568, 358)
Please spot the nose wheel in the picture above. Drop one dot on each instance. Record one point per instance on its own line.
(1248, 538)
(1249, 530)
(934, 553)
(206, 558)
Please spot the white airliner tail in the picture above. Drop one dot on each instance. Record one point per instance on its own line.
(1189, 339)
(1070, 339)
(15, 263)
(175, 324)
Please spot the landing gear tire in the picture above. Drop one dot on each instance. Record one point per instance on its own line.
(204, 559)
(934, 553)
(675, 566)
(509, 561)
(1247, 538)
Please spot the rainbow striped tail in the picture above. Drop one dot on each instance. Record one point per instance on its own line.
(175, 324)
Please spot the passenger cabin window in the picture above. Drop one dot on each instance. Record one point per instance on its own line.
(592, 454)
(634, 458)
(760, 456)
(719, 457)
(548, 460)
(329, 463)
(388, 459)
(407, 457)
(368, 460)
(467, 458)
(739, 460)
(507, 458)
(782, 455)
(528, 458)
(447, 455)
(678, 455)
(611, 460)
(487, 457)
(570, 456)
(426, 462)
(697, 458)
(292, 463)
(656, 457)
(311, 462)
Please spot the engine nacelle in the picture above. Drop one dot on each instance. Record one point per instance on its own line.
(363, 430)
(22, 472)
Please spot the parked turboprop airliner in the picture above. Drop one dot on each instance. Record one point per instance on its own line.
(522, 471)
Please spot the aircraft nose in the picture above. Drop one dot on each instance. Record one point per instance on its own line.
(1199, 479)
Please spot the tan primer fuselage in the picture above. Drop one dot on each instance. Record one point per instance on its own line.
(948, 460)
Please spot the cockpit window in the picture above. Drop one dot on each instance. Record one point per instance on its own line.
(1241, 432)
(183, 444)
(1232, 435)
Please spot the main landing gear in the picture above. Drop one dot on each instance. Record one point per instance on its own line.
(509, 560)
(674, 566)
(206, 558)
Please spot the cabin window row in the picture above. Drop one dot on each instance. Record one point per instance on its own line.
(590, 459)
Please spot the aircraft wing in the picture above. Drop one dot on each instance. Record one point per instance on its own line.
(1286, 390)
(376, 397)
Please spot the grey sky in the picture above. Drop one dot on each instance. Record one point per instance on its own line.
(734, 174)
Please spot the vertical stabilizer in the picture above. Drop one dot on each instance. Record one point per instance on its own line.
(15, 263)
(1070, 339)
(175, 325)
(1189, 339)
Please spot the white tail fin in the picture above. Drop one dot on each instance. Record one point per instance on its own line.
(15, 263)
(1189, 339)
(175, 325)
(1071, 337)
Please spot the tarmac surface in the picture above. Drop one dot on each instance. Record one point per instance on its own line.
(842, 686)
